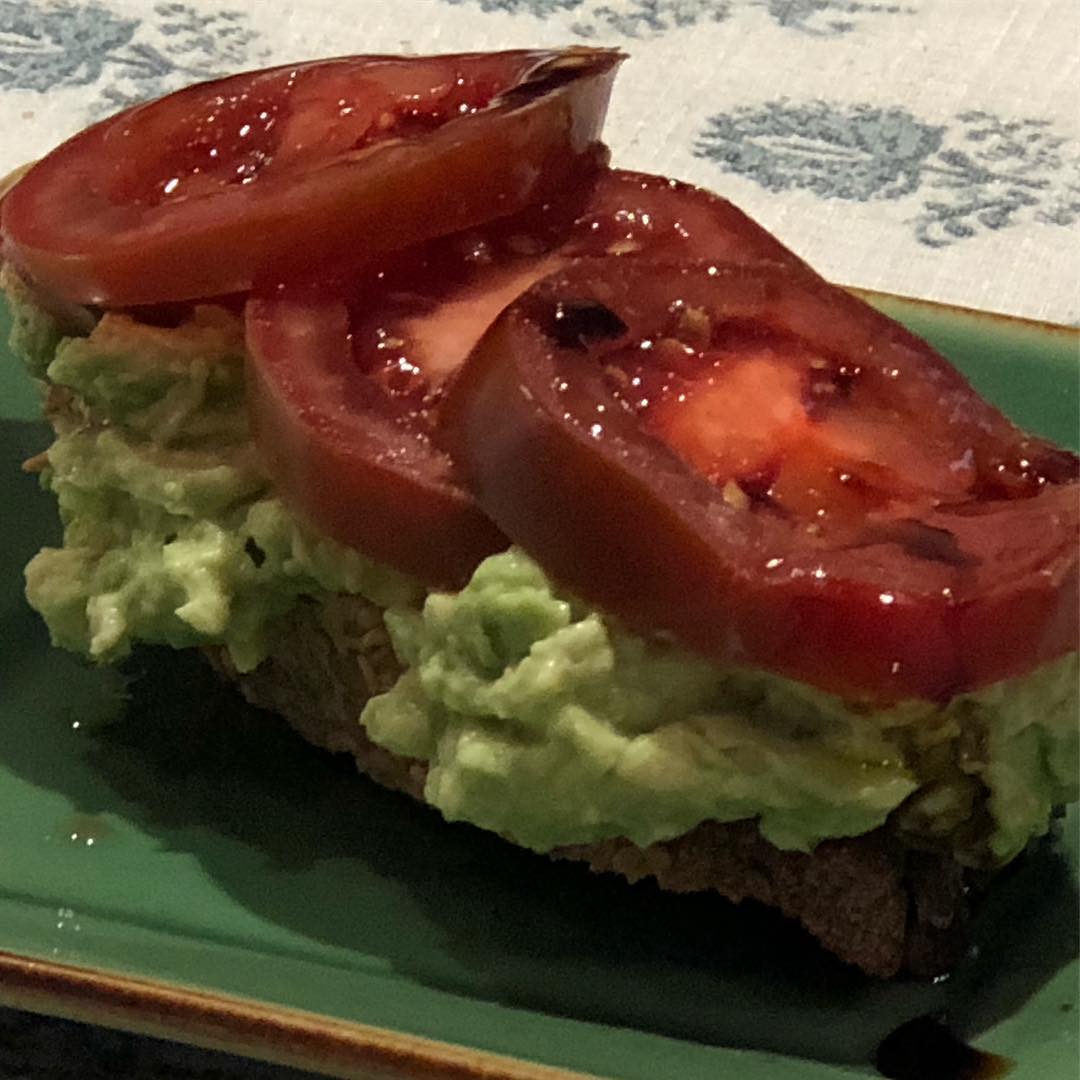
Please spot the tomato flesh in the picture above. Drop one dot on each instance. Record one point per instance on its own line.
(679, 462)
(226, 184)
(288, 121)
(347, 376)
(771, 424)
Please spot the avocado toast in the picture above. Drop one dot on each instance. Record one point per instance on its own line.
(504, 699)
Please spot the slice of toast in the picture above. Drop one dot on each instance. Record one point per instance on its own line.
(867, 899)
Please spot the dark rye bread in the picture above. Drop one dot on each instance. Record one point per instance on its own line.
(867, 899)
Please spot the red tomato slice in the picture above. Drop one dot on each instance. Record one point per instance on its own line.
(220, 185)
(756, 462)
(351, 447)
(346, 381)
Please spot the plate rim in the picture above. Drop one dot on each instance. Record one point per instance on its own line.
(1064, 331)
(260, 1030)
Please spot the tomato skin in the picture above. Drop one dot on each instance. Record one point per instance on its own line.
(966, 593)
(82, 224)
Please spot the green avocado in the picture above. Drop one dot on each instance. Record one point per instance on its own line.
(543, 721)
(172, 534)
(538, 717)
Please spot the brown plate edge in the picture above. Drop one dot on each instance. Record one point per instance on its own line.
(275, 1034)
(1019, 322)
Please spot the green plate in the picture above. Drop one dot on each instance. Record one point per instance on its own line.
(156, 835)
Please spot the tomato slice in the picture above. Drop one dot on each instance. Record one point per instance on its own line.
(758, 463)
(347, 376)
(216, 187)
(353, 448)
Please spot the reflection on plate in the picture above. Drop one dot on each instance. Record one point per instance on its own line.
(158, 835)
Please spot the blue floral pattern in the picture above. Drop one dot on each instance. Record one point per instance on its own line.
(650, 18)
(58, 46)
(826, 17)
(49, 45)
(984, 171)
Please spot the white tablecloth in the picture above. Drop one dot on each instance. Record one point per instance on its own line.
(926, 147)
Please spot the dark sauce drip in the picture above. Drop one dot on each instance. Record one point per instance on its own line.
(919, 540)
(926, 1049)
(758, 485)
(548, 76)
(169, 315)
(577, 324)
(254, 552)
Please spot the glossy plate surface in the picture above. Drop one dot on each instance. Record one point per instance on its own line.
(156, 835)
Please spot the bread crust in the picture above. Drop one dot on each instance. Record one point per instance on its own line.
(867, 899)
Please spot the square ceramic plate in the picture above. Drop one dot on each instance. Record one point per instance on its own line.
(173, 862)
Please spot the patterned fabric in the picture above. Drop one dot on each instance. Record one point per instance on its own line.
(925, 147)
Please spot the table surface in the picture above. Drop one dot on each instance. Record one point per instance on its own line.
(45, 1048)
(925, 147)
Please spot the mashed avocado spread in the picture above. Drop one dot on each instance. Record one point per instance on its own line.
(171, 532)
(539, 718)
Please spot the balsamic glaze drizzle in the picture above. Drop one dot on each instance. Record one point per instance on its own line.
(926, 1049)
